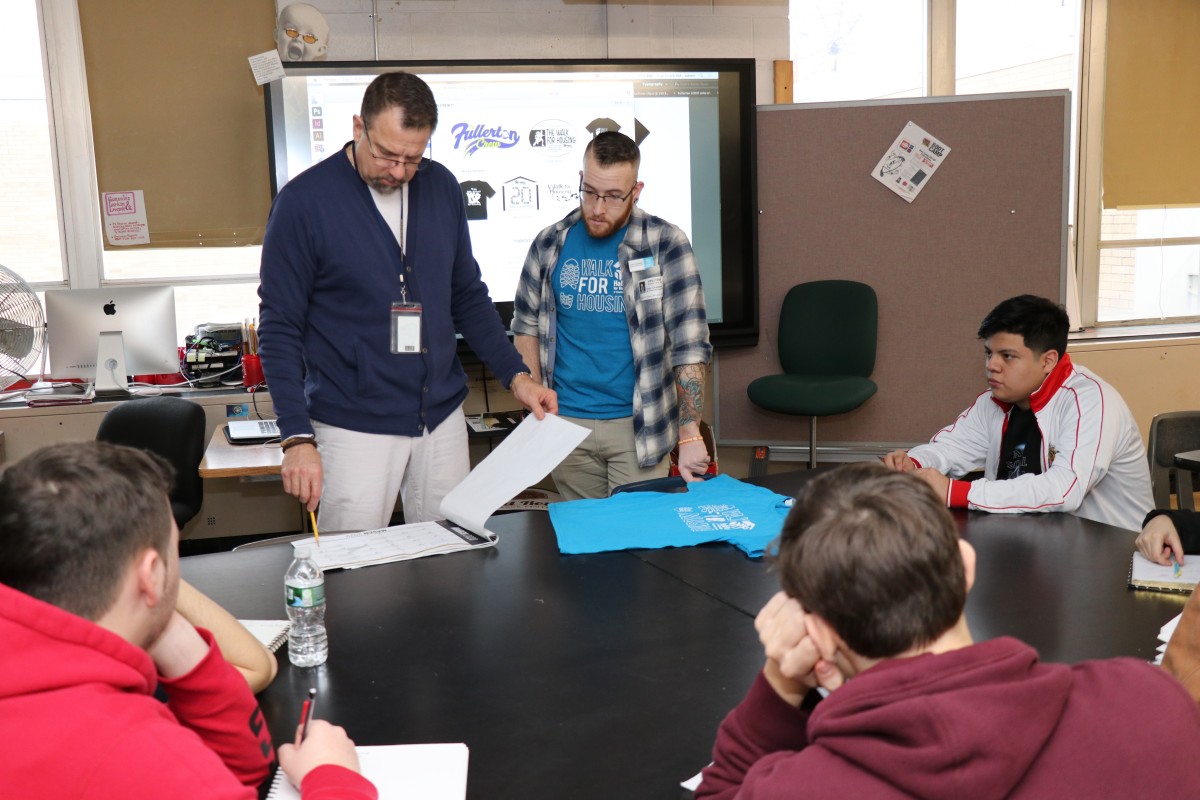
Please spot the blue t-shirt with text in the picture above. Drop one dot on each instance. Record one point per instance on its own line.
(593, 363)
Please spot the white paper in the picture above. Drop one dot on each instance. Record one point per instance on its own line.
(271, 632)
(267, 67)
(526, 455)
(125, 218)
(1146, 571)
(387, 545)
(425, 771)
(1164, 636)
(910, 162)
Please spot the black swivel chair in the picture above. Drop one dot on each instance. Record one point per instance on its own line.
(172, 428)
(1172, 432)
(827, 336)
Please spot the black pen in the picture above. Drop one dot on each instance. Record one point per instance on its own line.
(306, 712)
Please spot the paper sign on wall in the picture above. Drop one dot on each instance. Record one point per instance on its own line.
(910, 162)
(125, 218)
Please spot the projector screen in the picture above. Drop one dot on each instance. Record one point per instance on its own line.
(514, 134)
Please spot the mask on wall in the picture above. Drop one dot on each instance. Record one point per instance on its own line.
(302, 33)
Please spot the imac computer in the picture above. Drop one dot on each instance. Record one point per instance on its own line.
(106, 335)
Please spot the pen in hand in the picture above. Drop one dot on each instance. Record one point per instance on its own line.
(306, 712)
(316, 534)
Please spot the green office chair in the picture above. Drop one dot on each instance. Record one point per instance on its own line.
(827, 335)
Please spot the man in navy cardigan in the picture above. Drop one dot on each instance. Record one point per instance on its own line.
(367, 274)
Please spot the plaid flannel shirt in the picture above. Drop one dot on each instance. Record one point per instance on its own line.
(665, 333)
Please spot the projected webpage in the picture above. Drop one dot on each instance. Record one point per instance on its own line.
(515, 142)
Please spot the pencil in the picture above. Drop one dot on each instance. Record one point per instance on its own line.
(306, 712)
(316, 534)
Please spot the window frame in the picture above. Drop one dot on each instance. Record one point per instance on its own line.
(77, 191)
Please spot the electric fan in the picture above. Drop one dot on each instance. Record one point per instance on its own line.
(22, 329)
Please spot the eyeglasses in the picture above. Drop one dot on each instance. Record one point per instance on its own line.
(595, 198)
(307, 38)
(392, 163)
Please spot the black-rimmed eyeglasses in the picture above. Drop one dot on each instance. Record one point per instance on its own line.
(392, 163)
(592, 196)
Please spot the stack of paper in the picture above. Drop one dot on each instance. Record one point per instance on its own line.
(522, 459)
(397, 543)
(1164, 636)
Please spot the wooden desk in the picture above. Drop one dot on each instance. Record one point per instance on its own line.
(225, 460)
(607, 675)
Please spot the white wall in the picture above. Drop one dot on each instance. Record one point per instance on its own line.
(533, 29)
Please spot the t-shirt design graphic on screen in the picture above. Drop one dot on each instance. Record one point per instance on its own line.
(520, 194)
(601, 125)
(476, 195)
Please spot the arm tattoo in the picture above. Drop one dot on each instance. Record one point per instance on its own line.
(689, 380)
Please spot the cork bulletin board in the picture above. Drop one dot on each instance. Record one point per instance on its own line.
(990, 224)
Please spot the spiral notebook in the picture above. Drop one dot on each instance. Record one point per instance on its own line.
(426, 771)
(1145, 574)
(271, 632)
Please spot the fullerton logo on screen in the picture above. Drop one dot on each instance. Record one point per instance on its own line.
(473, 139)
(110, 308)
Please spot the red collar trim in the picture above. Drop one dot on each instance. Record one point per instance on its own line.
(1053, 382)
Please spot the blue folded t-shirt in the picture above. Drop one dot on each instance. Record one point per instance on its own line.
(721, 509)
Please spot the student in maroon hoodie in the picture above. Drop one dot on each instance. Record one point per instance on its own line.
(875, 580)
(89, 574)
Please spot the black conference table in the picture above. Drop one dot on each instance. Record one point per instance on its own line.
(607, 675)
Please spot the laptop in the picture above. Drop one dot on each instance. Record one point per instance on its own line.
(251, 431)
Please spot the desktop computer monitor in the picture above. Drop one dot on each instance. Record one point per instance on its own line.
(106, 335)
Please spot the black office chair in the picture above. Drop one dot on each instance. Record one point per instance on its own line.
(1170, 433)
(827, 336)
(172, 428)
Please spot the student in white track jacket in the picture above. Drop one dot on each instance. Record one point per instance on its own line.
(1048, 434)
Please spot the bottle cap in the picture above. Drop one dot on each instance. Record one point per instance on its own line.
(303, 550)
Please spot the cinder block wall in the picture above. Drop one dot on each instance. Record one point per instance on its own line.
(524, 29)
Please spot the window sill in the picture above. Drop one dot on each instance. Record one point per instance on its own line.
(1134, 333)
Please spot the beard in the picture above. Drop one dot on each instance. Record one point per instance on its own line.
(602, 227)
(385, 185)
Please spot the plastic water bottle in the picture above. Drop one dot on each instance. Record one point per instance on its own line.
(304, 597)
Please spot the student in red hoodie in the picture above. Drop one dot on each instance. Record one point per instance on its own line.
(89, 575)
(875, 580)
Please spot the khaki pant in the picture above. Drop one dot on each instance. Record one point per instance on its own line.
(605, 460)
(364, 472)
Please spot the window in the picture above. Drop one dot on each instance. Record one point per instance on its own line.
(1149, 265)
(41, 200)
(1136, 265)
(1016, 46)
(857, 49)
(30, 238)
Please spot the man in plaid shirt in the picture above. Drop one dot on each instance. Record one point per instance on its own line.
(610, 313)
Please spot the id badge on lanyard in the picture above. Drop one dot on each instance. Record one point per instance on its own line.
(406, 323)
(406, 328)
(406, 316)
